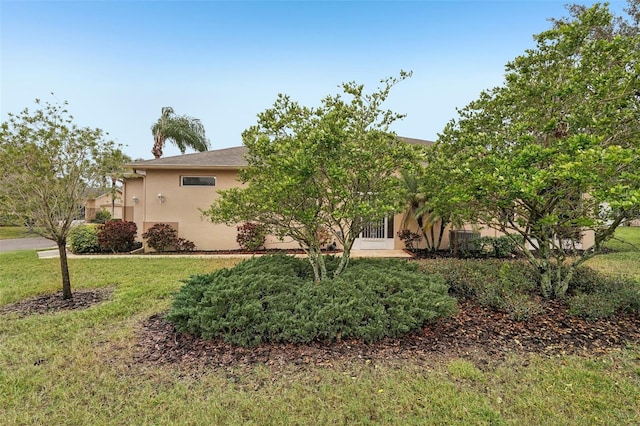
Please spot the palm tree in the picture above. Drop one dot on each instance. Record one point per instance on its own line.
(184, 131)
(421, 211)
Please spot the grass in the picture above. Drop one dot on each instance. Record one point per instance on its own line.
(11, 232)
(75, 368)
(625, 259)
(627, 238)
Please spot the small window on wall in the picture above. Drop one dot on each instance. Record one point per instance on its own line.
(198, 180)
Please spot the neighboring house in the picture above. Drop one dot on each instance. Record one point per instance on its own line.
(174, 190)
(104, 201)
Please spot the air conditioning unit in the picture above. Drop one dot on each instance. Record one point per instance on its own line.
(463, 240)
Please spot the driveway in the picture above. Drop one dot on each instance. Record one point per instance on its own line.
(26, 244)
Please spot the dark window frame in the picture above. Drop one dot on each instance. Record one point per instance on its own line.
(184, 180)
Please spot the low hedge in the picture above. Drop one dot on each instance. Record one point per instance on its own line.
(274, 299)
(595, 295)
(84, 239)
(512, 286)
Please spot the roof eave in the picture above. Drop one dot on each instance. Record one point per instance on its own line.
(181, 167)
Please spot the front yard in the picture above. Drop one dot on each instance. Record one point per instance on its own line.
(11, 232)
(89, 366)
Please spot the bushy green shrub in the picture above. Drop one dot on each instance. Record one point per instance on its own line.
(251, 236)
(274, 299)
(502, 247)
(102, 216)
(592, 306)
(117, 236)
(521, 306)
(84, 239)
(373, 299)
(510, 286)
(469, 277)
(595, 295)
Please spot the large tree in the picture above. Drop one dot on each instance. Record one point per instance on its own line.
(184, 131)
(331, 168)
(543, 154)
(49, 165)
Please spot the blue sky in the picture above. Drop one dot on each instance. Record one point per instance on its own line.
(119, 62)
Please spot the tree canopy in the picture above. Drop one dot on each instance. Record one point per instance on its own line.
(313, 170)
(184, 131)
(49, 165)
(546, 152)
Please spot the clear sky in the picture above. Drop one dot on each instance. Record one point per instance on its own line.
(119, 62)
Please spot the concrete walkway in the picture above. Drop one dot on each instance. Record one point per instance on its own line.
(47, 254)
(26, 244)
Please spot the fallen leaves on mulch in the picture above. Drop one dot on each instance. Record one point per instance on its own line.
(475, 332)
(48, 303)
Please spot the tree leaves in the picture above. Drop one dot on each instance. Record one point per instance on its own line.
(49, 164)
(332, 167)
(558, 140)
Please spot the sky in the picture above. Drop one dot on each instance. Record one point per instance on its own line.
(118, 63)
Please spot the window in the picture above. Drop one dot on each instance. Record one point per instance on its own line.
(198, 181)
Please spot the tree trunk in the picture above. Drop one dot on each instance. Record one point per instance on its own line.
(441, 234)
(157, 146)
(317, 264)
(64, 270)
(433, 239)
(564, 274)
(344, 260)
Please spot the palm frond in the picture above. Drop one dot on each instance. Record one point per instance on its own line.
(184, 131)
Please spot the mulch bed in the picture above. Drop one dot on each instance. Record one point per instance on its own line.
(240, 251)
(49, 303)
(475, 332)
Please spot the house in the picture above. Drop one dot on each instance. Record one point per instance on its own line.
(175, 190)
(104, 201)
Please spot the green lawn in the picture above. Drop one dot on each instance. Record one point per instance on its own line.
(9, 232)
(627, 238)
(76, 368)
(626, 257)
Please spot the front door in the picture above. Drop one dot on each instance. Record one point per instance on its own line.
(376, 235)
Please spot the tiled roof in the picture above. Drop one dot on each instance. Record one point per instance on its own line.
(219, 158)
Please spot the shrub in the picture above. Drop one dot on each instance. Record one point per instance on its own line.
(117, 236)
(592, 306)
(102, 216)
(521, 306)
(510, 286)
(161, 237)
(84, 239)
(502, 247)
(374, 299)
(274, 299)
(251, 236)
(410, 239)
(595, 295)
(184, 245)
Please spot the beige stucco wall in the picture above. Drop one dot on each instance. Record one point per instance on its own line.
(103, 202)
(180, 207)
(134, 209)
